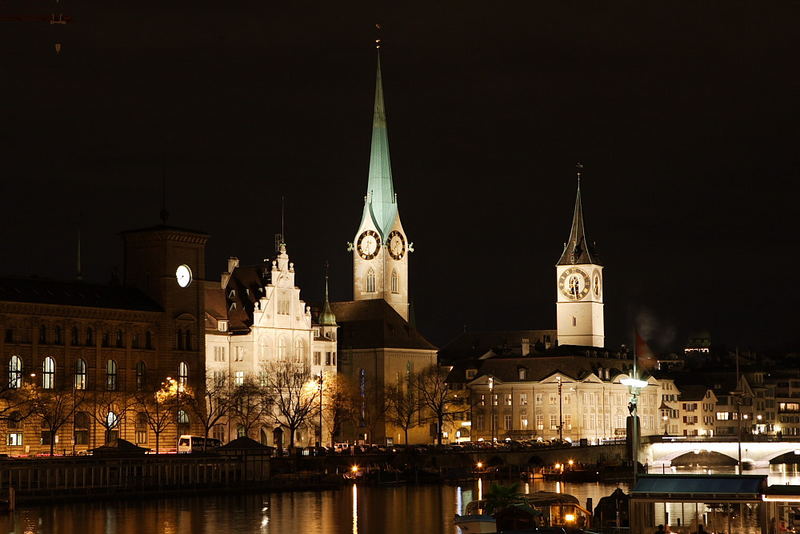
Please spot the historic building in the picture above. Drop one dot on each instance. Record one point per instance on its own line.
(377, 344)
(93, 355)
(254, 319)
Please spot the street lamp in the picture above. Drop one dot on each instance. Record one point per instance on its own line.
(560, 411)
(665, 417)
(491, 401)
(319, 382)
(635, 385)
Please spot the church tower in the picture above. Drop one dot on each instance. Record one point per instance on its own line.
(579, 279)
(380, 249)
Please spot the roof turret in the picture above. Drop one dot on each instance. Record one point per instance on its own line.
(327, 317)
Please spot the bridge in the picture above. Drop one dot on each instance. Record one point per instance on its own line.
(758, 453)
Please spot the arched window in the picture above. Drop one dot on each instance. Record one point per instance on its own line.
(395, 282)
(80, 374)
(111, 375)
(112, 420)
(263, 348)
(90, 337)
(141, 376)
(282, 349)
(183, 423)
(299, 350)
(15, 372)
(49, 373)
(183, 373)
(369, 285)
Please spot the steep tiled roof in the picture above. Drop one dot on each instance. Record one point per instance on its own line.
(370, 324)
(41, 291)
(537, 368)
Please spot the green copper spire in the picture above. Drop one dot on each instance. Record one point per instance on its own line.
(327, 317)
(381, 202)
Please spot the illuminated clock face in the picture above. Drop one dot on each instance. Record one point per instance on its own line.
(574, 283)
(397, 245)
(596, 284)
(183, 274)
(368, 244)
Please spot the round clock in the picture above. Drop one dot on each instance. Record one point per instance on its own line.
(397, 245)
(596, 284)
(574, 283)
(183, 274)
(368, 244)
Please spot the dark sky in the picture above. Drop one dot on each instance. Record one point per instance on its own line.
(685, 115)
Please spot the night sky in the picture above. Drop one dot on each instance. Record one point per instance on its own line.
(684, 114)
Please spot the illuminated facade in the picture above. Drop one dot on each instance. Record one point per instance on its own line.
(254, 318)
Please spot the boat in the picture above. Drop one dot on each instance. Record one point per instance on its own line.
(543, 508)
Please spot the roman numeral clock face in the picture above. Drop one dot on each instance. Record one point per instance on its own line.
(574, 283)
(368, 244)
(397, 245)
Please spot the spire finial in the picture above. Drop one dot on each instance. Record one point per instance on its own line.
(327, 317)
(578, 171)
(377, 37)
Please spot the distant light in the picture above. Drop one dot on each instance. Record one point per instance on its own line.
(571, 462)
(479, 465)
(354, 469)
(569, 518)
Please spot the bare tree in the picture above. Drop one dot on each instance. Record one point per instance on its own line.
(436, 397)
(294, 395)
(213, 404)
(54, 409)
(402, 405)
(109, 409)
(249, 404)
(372, 408)
(339, 404)
(160, 407)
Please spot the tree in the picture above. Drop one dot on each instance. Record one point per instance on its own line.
(249, 404)
(294, 395)
(402, 405)
(436, 396)
(159, 408)
(499, 497)
(213, 404)
(339, 404)
(55, 409)
(109, 410)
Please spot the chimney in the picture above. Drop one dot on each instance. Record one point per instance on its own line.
(526, 346)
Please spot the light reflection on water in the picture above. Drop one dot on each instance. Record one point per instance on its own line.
(348, 510)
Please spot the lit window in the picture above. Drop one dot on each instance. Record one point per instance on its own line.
(238, 378)
(523, 399)
(15, 372)
(48, 373)
(282, 349)
(141, 375)
(111, 375)
(523, 373)
(369, 286)
(183, 373)
(80, 374)
(299, 351)
(317, 357)
(14, 439)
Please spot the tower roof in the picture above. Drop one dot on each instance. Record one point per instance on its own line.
(578, 249)
(381, 204)
(327, 317)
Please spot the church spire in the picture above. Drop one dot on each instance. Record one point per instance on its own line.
(327, 317)
(578, 249)
(381, 202)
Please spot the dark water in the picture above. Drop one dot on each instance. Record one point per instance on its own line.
(352, 510)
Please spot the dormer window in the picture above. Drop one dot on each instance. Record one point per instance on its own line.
(522, 372)
(232, 294)
(471, 373)
(222, 326)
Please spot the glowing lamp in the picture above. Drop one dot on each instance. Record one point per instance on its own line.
(479, 465)
(569, 518)
(570, 462)
(354, 469)
(634, 382)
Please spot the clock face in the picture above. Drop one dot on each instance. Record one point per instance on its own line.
(368, 244)
(596, 284)
(397, 245)
(183, 274)
(574, 283)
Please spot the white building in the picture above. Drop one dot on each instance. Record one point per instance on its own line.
(255, 317)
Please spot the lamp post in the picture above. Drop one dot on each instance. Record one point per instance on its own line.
(319, 382)
(491, 401)
(560, 411)
(635, 385)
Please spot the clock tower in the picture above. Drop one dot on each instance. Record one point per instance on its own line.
(579, 280)
(380, 249)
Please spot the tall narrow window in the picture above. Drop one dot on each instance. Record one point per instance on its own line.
(80, 374)
(75, 338)
(183, 373)
(48, 373)
(135, 340)
(43, 334)
(111, 375)
(369, 285)
(188, 343)
(183, 423)
(141, 376)
(81, 428)
(299, 351)
(148, 340)
(120, 339)
(58, 338)
(395, 282)
(282, 349)
(179, 339)
(90, 337)
(574, 321)
(15, 372)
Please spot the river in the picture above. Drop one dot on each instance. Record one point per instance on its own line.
(351, 509)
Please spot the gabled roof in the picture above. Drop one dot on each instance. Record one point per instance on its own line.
(538, 368)
(578, 250)
(41, 291)
(693, 392)
(236, 302)
(372, 324)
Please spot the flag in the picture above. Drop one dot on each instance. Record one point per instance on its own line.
(645, 359)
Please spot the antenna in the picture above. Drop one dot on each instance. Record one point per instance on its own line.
(280, 238)
(164, 213)
(327, 266)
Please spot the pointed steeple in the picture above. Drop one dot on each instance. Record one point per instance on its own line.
(578, 249)
(381, 203)
(327, 317)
